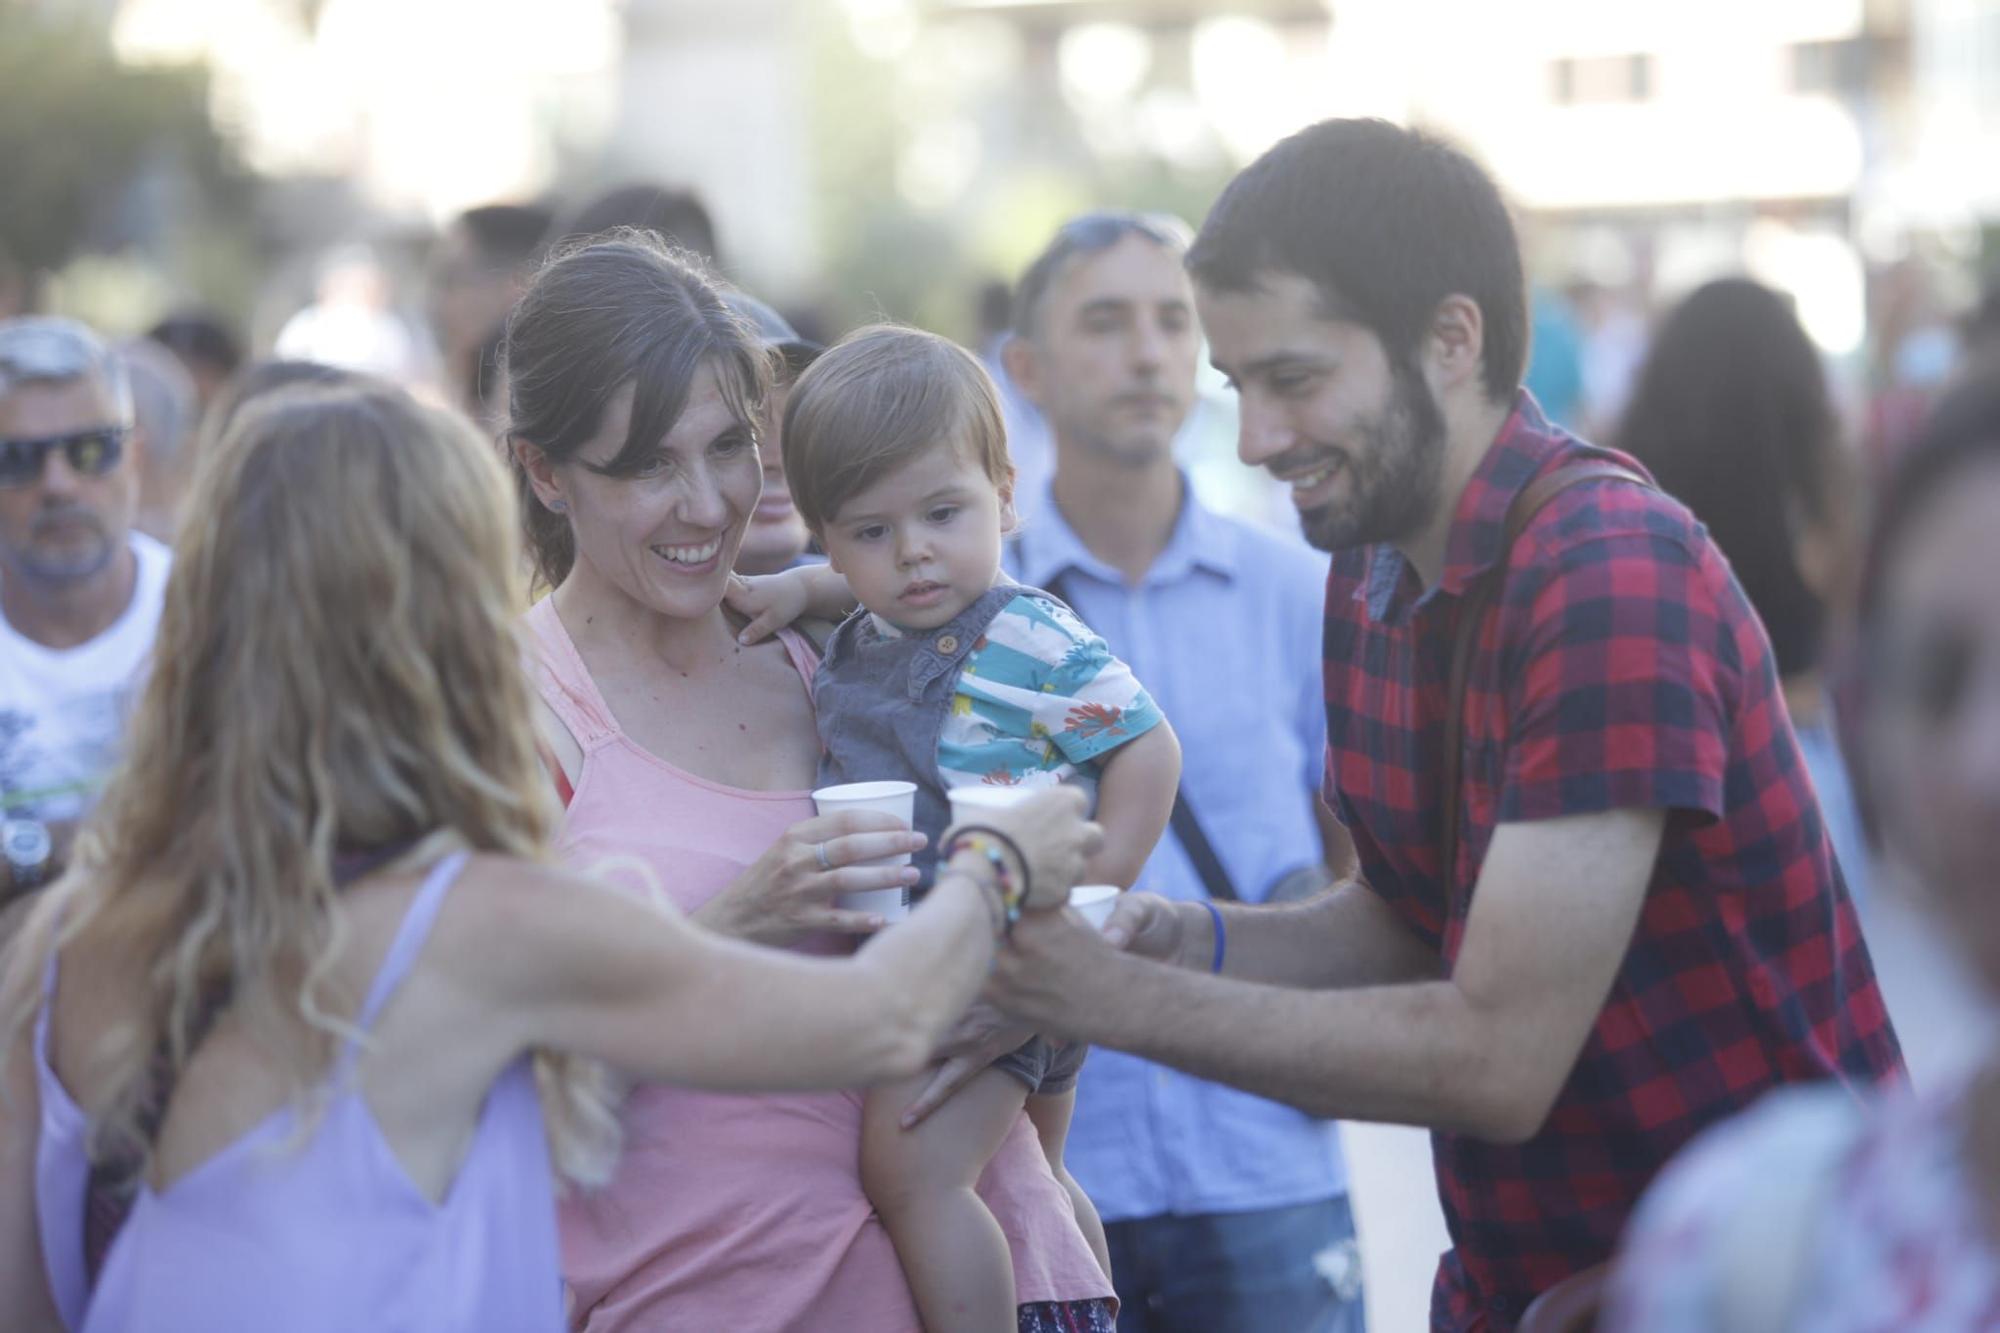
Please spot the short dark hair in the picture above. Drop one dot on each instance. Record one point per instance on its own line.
(1386, 223)
(1086, 235)
(197, 335)
(261, 378)
(677, 215)
(507, 234)
(1732, 416)
(603, 313)
(877, 399)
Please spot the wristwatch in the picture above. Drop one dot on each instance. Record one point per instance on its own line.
(26, 847)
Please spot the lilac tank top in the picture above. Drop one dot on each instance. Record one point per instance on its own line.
(325, 1236)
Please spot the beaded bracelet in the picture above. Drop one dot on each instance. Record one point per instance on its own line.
(995, 846)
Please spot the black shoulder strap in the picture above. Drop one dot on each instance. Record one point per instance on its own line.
(1214, 877)
(1186, 826)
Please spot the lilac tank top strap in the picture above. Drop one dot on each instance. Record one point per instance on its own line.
(48, 1003)
(62, 1170)
(418, 919)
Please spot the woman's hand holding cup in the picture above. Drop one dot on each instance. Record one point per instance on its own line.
(790, 891)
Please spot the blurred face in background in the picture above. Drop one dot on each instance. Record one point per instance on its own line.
(470, 292)
(1934, 712)
(65, 512)
(777, 536)
(1112, 359)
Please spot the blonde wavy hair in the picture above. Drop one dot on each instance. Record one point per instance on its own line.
(336, 668)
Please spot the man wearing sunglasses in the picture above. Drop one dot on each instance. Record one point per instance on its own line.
(80, 590)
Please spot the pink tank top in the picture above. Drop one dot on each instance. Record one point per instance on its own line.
(325, 1236)
(746, 1211)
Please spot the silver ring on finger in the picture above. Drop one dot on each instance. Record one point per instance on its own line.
(819, 852)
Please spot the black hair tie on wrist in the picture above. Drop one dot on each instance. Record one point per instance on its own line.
(1012, 901)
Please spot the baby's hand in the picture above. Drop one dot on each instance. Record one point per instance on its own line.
(773, 601)
(769, 601)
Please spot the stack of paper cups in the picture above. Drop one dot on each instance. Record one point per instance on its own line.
(891, 798)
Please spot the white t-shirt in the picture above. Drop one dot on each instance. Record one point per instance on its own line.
(62, 712)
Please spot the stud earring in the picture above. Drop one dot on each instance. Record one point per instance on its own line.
(558, 505)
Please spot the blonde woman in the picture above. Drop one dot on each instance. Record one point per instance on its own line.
(270, 1053)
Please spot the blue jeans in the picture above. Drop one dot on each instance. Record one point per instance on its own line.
(1280, 1270)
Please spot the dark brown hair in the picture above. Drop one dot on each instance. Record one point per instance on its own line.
(1732, 417)
(882, 396)
(1386, 223)
(601, 314)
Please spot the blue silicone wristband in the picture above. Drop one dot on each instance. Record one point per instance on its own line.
(1221, 936)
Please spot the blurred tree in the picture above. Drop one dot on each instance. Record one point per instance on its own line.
(88, 146)
(889, 255)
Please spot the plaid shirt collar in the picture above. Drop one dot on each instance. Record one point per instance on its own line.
(1479, 522)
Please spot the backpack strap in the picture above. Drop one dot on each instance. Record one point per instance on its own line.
(1478, 599)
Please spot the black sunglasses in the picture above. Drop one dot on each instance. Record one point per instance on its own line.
(89, 453)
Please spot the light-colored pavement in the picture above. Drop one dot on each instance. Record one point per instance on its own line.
(1396, 1216)
(1940, 1022)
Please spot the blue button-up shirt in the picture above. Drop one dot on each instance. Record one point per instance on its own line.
(1224, 631)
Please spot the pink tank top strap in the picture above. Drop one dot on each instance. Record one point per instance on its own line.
(563, 681)
(804, 656)
(410, 936)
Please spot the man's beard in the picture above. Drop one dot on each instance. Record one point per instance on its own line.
(64, 567)
(1393, 480)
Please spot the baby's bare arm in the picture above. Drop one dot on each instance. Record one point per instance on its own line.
(772, 602)
(1135, 798)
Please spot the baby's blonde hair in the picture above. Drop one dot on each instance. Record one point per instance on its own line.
(336, 668)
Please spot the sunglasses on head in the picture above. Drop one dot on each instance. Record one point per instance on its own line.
(89, 453)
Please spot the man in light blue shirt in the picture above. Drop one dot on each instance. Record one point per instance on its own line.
(1224, 1211)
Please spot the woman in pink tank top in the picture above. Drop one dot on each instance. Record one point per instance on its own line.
(296, 1041)
(635, 417)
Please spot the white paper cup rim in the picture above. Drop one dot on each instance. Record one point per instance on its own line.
(995, 796)
(865, 791)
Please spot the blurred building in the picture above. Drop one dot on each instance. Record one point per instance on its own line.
(1653, 148)
(845, 143)
(1647, 146)
(716, 96)
(1941, 175)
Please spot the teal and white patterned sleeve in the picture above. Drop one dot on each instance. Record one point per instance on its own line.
(1089, 703)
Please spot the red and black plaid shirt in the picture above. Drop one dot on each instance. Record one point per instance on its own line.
(1620, 668)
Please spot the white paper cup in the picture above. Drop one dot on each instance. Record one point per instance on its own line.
(971, 805)
(1094, 902)
(891, 798)
(889, 904)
